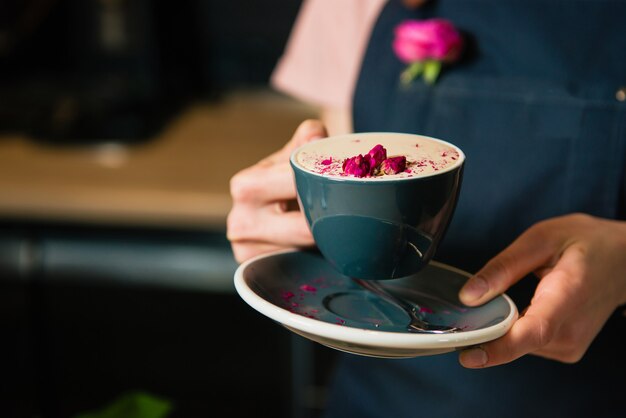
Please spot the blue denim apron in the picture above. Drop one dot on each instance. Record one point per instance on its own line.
(533, 105)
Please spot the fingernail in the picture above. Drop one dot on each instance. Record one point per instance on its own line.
(473, 290)
(473, 357)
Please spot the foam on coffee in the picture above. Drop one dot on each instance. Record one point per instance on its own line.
(425, 156)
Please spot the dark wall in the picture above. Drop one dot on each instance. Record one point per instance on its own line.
(72, 69)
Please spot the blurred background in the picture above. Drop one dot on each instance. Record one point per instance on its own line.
(121, 122)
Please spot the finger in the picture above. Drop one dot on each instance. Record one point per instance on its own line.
(533, 249)
(307, 131)
(556, 299)
(268, 224)
(245, 250)
(285, 229)
(271, 179)
(530, 333)
(263, 185)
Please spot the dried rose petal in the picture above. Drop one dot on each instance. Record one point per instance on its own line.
(357, 166)
(374, 163)
(308, 288)
(393, 165)
(376, 156)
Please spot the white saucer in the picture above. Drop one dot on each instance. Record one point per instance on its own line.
(300, 290)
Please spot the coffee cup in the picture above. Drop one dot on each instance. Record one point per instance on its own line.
(378, 224)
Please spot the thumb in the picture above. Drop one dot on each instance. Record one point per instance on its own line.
(307, 131)
(526, 254)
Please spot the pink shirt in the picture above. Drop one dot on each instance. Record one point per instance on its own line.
(322, 58)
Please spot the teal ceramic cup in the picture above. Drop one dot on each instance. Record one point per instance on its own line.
(381, 226)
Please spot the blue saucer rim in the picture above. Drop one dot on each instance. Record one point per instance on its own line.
(365, 336)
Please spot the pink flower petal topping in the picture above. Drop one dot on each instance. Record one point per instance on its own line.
(393, 165)
(357, 166)
(374, 163)
(376, 156)
(308, 288)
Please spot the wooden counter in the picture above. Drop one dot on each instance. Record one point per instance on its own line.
(178, 179)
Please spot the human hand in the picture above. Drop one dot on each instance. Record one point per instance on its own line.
(263, 218)
(581, 265)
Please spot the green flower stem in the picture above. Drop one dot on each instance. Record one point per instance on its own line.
(432, 69)
(429, 69)
(413, 70)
